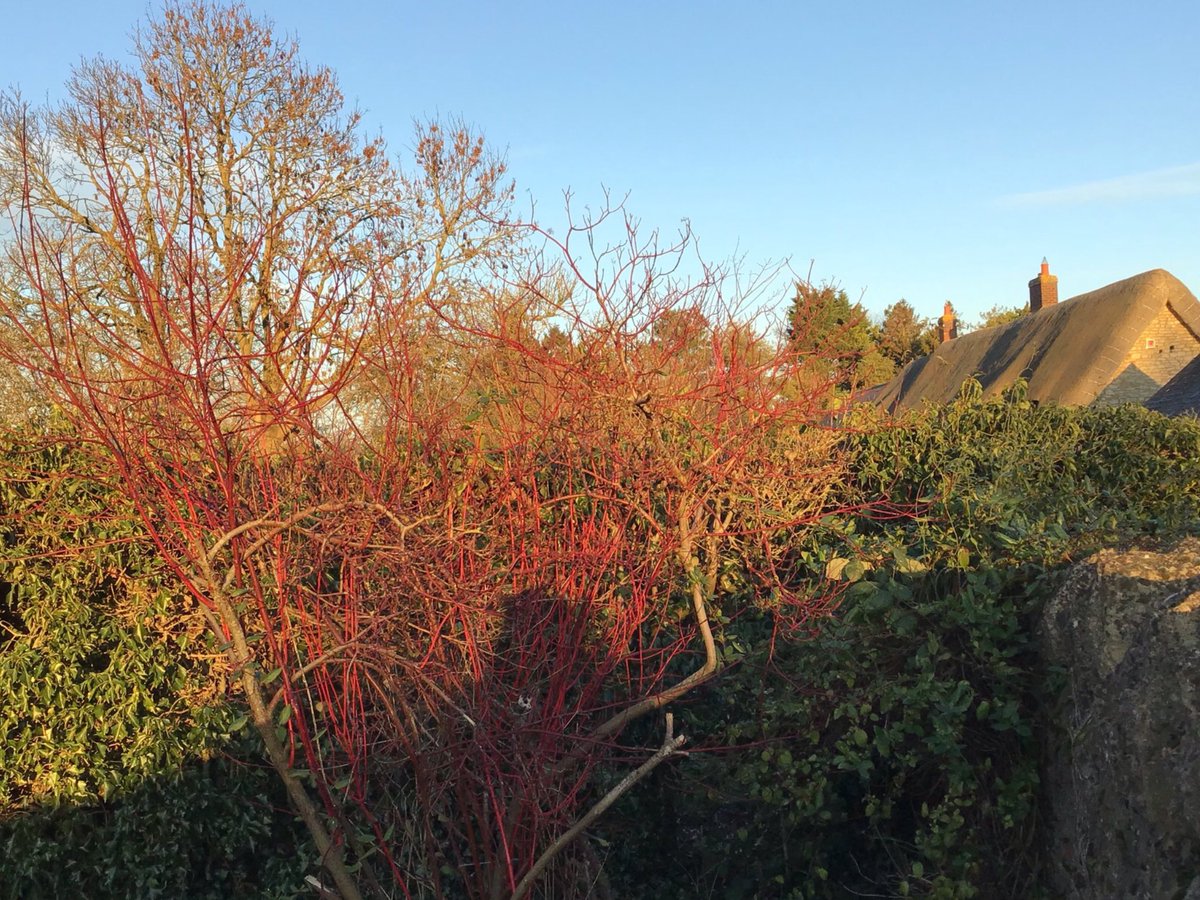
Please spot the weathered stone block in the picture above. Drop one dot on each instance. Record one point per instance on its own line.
(1121, 771)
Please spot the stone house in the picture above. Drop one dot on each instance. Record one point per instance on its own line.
(1118, 344)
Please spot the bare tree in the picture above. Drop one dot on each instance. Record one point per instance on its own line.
(205, 248)
(459, 500)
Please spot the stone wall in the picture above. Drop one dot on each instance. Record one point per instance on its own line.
(1121, 743)
(1165, 347)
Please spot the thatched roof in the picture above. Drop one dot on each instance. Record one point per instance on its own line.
(1180, 395)
(1068, 352)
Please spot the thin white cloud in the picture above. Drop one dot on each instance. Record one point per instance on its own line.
(1176, 181)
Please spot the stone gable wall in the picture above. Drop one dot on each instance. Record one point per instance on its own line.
(1147, 368)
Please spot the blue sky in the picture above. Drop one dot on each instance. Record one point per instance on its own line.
(930, 151)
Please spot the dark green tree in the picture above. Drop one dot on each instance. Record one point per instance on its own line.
(904, 335)
(1001, 315)
(840, 336)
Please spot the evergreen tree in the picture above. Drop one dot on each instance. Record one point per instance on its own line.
(838, 334)
(904, 335)
(1001, 315)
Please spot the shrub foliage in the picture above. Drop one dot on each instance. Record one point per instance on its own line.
(894, 753)
(114, 774)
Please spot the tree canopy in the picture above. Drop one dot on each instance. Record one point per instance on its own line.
(823, 323)
(904, 335)
(1001, 315)
(456, 500)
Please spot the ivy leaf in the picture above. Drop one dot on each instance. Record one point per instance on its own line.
(835, 567)
(854, 570)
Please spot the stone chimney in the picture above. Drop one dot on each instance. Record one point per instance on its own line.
(1043, 290)
(947, 326)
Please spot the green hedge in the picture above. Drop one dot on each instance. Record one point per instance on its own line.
(116, 778)
(894, 753)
